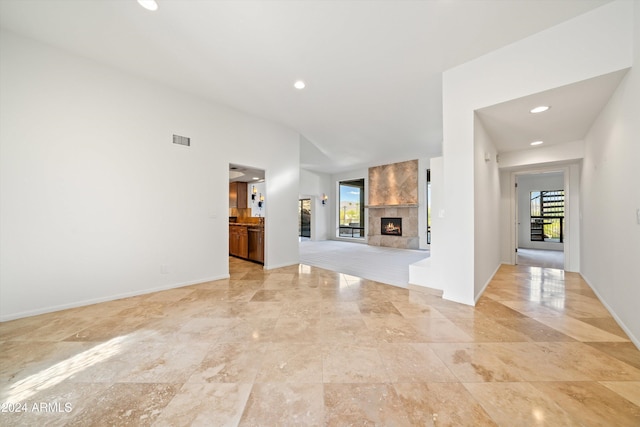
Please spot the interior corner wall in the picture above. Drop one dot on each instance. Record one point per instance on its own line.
(313, 185)
(560, 58)
(611, 200)
(96, 203)
(486, 208)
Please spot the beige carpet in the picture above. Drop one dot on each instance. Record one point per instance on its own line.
(384, 265)
(541, 258)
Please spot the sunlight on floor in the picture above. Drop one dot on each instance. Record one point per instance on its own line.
(54, 375)
(304, 269)
(547, 286)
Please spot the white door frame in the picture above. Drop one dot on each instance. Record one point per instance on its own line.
(568, 223)
(312, 219)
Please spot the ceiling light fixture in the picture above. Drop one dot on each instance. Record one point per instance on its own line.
(537, 142)
(299, 84)
(148, 4)
(540, 109)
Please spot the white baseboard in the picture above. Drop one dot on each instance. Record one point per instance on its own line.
(75, 304)
(484, 288)
(624, 327)
(425, 290)
(274, 266)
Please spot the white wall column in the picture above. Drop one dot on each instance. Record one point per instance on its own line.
(549, 59)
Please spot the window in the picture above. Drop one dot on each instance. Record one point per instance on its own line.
(351, 205)
(547, 216)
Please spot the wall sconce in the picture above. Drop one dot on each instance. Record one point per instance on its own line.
(324, 198)
(261, 200)
(254, 191)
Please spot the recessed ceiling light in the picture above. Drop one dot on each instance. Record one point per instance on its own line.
(299, 84)
(539, 109)
(537, 142)
(149, 4)
(256, 178)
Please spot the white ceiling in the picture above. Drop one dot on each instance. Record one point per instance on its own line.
(573, 110)
(245, 174)
(373, 68)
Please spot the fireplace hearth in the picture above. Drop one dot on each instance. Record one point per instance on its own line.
(391, 226)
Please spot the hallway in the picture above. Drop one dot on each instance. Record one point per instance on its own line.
(541, 258)
(306, 346)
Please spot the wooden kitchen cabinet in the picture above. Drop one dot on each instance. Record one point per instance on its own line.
(238, 241)
(233, 241)
(246, 241)
(238, 195)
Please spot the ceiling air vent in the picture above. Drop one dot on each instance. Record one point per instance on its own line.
(182, 140)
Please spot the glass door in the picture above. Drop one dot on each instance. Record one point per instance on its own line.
(304, 218)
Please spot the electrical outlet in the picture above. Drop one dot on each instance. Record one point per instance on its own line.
(164, 269)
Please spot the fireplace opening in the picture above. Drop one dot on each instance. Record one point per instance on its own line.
(391, 226)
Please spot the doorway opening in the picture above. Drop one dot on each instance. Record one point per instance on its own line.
(247, 213)
(540, 219)
(304, 219)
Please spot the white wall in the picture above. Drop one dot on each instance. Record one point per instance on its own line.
(573, 215)
(437, 214)
(611, 199)
(312, 186)
(97, 203)
(560, 58)
(527, 184)
(507, 219)
(261, 188)
(486, 208)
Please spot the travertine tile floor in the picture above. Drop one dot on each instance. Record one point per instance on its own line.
(304, 346)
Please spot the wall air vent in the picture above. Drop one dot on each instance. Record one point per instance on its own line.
(182, 140)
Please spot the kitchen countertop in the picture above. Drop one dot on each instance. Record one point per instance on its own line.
(246, 224)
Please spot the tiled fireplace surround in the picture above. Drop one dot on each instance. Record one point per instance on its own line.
(393, 192)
